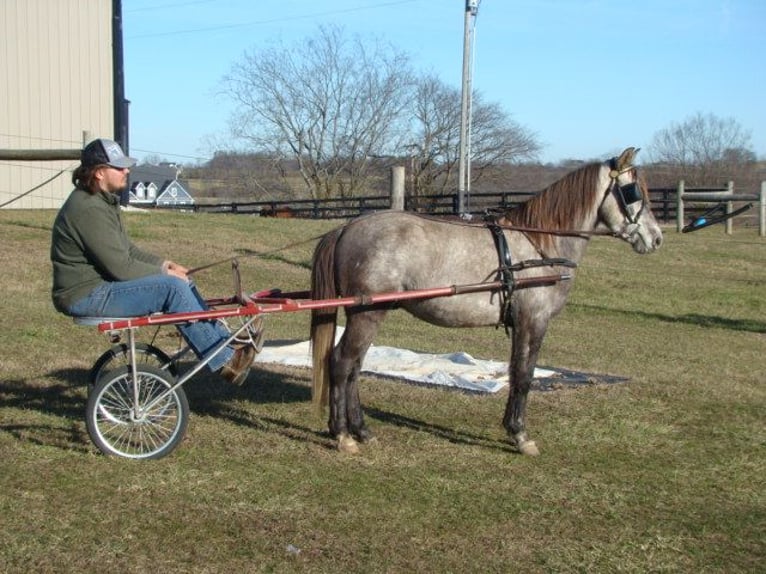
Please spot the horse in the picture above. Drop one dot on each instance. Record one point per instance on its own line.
(393, 251)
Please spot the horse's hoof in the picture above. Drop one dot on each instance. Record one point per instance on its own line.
(526, 447)
(529, 448)
(347, 444)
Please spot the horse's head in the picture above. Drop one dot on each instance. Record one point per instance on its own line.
(625, 208)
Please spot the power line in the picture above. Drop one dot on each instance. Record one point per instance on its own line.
(272, 21)
(164, 154)
(164, 6)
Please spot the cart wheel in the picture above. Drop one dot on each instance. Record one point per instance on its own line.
(117, 418)
(119, 355)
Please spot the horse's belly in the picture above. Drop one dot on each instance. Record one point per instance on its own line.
(470, 310)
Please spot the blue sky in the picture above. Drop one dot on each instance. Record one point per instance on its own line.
(588, 77)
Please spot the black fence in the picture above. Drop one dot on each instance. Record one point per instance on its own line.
(663, 202)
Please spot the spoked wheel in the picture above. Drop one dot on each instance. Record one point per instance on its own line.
(124, 417)
(119, 355)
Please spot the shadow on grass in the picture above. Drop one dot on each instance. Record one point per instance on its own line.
(209, 395)
(442, 432)
(57, 409)
(261, 387)
(749, 325)
(60, 406)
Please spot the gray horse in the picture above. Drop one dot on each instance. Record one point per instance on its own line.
(397, 251)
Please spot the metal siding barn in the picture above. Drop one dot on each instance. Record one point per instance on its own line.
(57, 78)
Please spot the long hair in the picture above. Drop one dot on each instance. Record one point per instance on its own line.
(84, 175)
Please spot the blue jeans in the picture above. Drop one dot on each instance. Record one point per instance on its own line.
(158, 293)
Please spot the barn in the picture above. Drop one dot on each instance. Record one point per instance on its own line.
(62, 72)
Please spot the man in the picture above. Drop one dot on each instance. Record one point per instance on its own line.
(99, 272)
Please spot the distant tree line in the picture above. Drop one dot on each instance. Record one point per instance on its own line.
(329, 117)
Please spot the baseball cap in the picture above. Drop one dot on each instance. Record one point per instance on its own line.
(104, 151)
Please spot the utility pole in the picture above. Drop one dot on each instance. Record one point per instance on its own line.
(119, 103)
(464, 164)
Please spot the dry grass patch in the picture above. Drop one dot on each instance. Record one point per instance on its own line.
(663, 473)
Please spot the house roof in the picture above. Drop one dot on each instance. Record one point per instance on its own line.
(164, 178)
(174, 192)
(158, 174)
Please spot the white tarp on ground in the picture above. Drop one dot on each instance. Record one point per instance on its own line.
(456, 370)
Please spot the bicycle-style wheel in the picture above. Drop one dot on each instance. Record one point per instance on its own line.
(137, 419)
(119, 355)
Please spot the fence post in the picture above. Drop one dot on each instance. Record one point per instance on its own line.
(680, 206)
(397, 188)
(729, 208)
(762, 218)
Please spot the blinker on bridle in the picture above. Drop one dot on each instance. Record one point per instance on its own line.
(627, 194)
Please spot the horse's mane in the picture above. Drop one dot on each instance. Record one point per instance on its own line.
(561, 206)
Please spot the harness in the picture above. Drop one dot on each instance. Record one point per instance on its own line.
(506, 268)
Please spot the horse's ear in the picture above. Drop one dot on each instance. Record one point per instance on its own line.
(626, 158)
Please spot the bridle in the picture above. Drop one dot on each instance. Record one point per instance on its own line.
(627, 195)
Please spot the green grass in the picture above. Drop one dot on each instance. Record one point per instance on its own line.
(664, 473)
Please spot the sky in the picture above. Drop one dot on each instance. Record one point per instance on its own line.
(587, 77)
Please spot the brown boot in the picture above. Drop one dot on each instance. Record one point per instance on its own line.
(238, 367)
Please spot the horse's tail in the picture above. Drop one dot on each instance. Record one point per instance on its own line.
(323, 321)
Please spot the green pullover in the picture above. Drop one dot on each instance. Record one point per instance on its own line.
(90, 246)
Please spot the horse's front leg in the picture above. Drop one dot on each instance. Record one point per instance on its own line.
(527, 339)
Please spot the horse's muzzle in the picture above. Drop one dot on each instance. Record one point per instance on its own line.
(644, 239)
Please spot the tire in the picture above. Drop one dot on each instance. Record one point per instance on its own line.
(111, 421)
(119, 355)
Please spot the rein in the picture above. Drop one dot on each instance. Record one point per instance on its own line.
(582, 233)
(497, 224)
(490, 221)
(234, 258)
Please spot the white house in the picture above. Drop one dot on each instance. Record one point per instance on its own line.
(157, 185)
(173, 193)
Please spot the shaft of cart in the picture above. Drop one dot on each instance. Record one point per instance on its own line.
(274, 301)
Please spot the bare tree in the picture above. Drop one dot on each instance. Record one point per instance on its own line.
(435, 146)
(704, 150)
(329, 104)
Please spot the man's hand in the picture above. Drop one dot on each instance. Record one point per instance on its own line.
(173, 268)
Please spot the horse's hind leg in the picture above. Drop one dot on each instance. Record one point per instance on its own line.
(346, 413)
(527, 340)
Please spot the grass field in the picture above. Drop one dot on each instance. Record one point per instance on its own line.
(664, 473)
